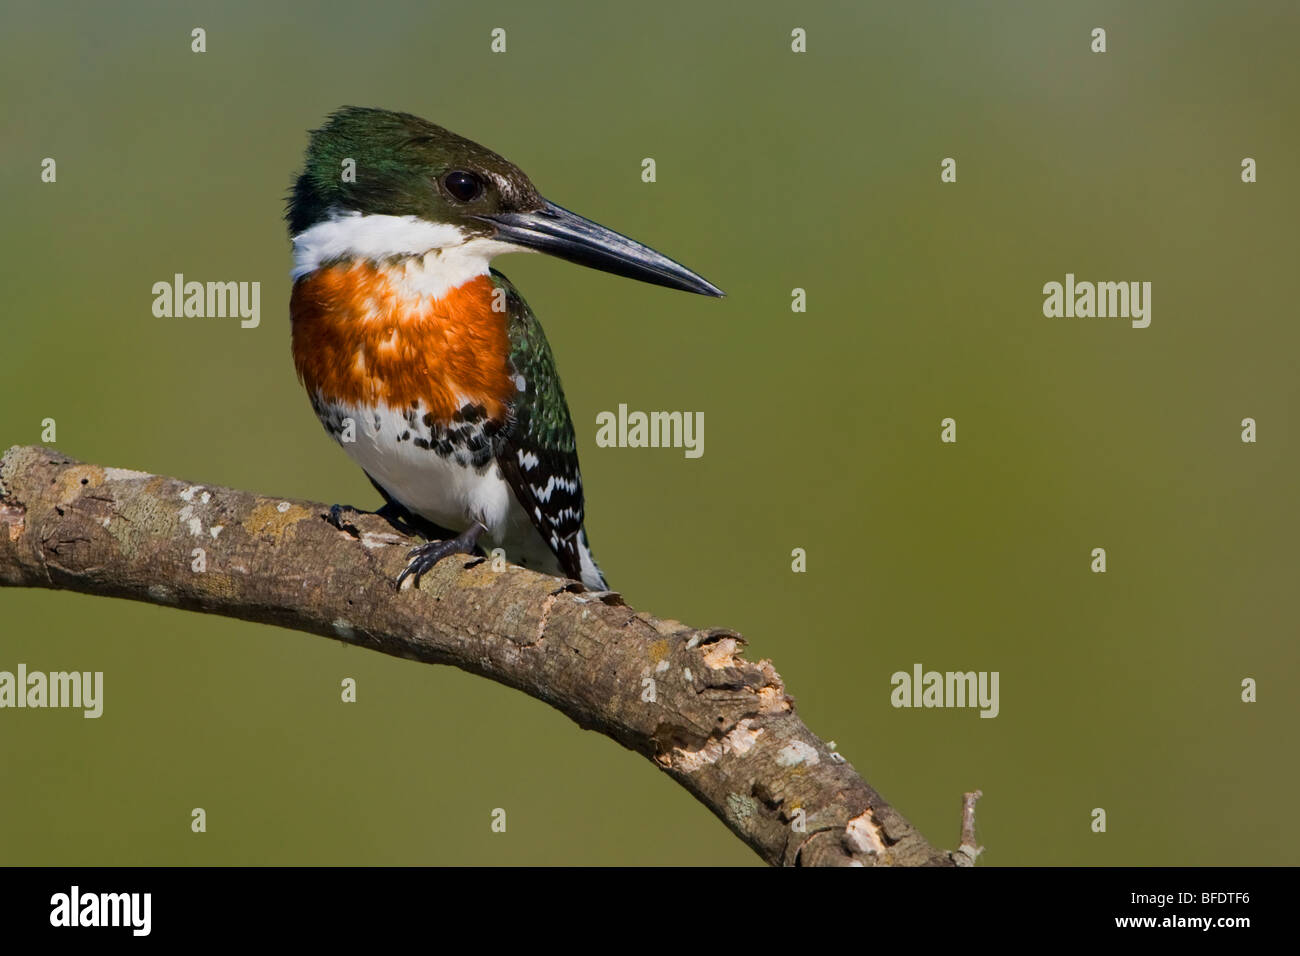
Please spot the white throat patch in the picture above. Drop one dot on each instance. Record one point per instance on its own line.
(446, 258)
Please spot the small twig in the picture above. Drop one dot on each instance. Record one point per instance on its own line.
(969, 849)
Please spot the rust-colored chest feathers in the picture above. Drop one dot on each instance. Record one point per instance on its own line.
(362, 335)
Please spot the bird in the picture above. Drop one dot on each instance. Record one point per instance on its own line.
(425, 363)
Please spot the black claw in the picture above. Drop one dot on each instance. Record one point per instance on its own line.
(425, 556)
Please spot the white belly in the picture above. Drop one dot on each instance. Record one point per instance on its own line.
(438, 488)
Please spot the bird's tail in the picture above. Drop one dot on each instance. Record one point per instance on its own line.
(591, 573)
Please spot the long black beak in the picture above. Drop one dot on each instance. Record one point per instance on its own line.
(555, 230)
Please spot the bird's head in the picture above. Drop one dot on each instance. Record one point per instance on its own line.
(440, 190)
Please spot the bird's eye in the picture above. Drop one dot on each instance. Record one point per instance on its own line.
(463, 186)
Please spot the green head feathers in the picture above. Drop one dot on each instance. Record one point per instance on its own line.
(404, 166)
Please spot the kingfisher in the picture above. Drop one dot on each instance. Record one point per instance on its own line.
(424, 362)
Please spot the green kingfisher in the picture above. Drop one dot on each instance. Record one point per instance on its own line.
(425, 363)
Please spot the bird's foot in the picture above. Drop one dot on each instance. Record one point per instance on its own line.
(430, 553)
(408, 522)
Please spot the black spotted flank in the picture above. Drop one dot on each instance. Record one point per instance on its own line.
(470, 414)
(470, 438)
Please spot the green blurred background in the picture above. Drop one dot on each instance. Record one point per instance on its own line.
(775, 171)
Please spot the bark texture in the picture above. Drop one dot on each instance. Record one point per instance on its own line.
(720, 725)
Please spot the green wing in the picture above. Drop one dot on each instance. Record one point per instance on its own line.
(537, 451)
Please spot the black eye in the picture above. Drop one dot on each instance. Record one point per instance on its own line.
(463, 186)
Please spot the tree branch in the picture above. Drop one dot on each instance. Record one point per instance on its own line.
(719, 725)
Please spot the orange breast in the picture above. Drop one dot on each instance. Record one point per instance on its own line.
(359, 337)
